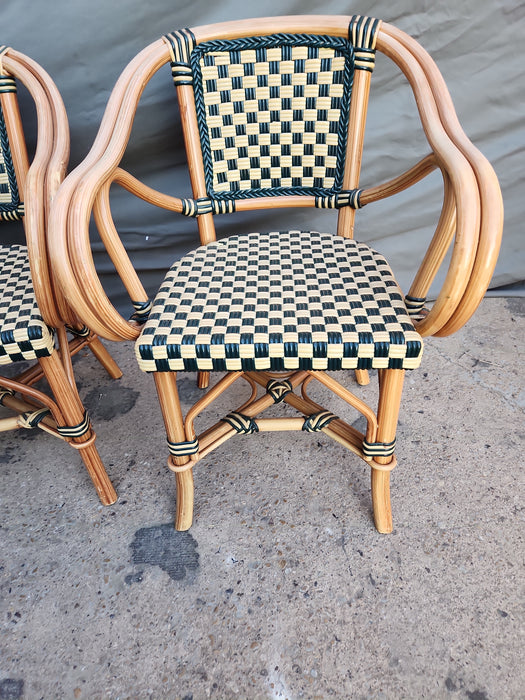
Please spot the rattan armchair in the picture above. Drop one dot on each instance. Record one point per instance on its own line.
(36, 324)
(273, 113)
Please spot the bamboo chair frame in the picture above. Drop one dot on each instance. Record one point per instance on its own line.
(470, 226)
(37, 183)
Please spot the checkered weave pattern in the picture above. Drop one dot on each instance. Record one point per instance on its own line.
(273, 113)
(279, 301)
(11, 208)
(23, 333)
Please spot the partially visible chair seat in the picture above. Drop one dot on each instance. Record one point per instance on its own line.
(23, 333)
(36, 324)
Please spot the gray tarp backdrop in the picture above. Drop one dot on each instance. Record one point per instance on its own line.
(477, 44)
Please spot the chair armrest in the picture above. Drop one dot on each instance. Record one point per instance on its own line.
(489, 228)
(44, 175)
(75, 200)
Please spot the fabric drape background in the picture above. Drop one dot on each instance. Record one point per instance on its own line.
(477, 44)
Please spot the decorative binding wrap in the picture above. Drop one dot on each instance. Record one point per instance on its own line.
(183, 449)
(32, 419)
(414, 305)
(205, 205)
(242, 424)
(378, 449)
(7, 83)
(181, 44)
(79, 332)
(75, 431)
(278, 390)
(11, 208)
(347, 198)
(4, 393)
(318, 421)
(142, 311)
(362, 32)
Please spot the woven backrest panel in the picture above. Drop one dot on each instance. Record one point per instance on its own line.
(10, 206)
(273, 113)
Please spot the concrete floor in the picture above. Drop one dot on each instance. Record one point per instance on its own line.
(282, 588)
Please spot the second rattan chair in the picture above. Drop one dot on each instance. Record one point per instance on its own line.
(36, 324)
(273, 114)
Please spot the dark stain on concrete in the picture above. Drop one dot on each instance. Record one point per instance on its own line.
(11, 689)
(477, 695)
(104, 403)
(161, 545)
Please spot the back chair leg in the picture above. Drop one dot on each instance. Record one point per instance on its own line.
(73, 414)
(203, 380)
(105, 359)
(390, 390)
(362, 377)
(166, 383)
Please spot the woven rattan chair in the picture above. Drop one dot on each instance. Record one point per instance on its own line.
(35, 319)
(273, 114)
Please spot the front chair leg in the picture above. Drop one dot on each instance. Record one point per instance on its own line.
(70, 405)
(166, 383)
(390, 390)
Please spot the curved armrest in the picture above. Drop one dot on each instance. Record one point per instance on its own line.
(70, 214)
(458, 170)
(397, 184)
(43, 176)
(147, 194)
(490, 226)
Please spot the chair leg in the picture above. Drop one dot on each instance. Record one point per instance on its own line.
(390, 390)
(166, 383)
(362, 377)
(203, 380)
(72, 410)
(105, 359)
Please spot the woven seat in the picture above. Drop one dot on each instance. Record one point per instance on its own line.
(273, 114)
(36, 324)
(279, 301)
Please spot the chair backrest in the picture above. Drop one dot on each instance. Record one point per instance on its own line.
(269, 115)
(27, 188)
(273, 113)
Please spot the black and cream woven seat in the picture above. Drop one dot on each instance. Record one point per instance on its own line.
(279, 301)
(33, 313)
(273, 114)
